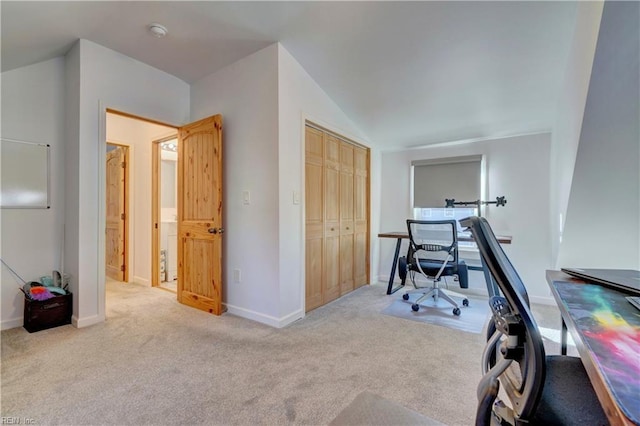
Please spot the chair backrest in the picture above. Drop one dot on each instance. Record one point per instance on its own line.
(488, 246)
(433, 239)
(522, 349)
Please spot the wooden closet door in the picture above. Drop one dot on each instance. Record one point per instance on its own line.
(336, 217)
(314, 218)
(332, 218)
(361, 213)
(347, 219)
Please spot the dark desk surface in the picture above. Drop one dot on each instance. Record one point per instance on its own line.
(606, 330)
(504, 239)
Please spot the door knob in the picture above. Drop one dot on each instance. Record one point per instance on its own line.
(221, 230)
(212, 230)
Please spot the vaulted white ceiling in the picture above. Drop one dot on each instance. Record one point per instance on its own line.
(406, 73)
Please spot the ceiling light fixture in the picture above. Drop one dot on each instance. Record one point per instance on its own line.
(170, 146)
(158, 30)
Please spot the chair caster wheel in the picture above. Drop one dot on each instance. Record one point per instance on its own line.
(415, 307)
(456, 312)
(405, 297)
(465, 302)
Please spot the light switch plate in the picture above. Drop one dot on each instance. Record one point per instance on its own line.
(296, 197)
(246, 197)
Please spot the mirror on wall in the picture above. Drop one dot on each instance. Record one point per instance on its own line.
(168, 178)
(168, 182)
(168, 185)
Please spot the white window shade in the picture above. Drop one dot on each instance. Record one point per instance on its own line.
(439, 179)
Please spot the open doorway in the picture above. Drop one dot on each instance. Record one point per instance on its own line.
(137, 135)
(198, 210)
(165, 214)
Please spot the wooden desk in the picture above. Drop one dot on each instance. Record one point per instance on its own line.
(606, 330)
(503, 239)
(399, 236)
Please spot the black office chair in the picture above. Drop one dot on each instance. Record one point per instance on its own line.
(433, 253)
(541, 389)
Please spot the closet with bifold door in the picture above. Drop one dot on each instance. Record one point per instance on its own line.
(336, 216)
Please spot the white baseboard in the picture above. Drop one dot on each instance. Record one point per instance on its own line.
(78, 323)
(86, 322)
(472, 291)
(292, 317)
(385, 279)
(75, 321)
(11, 323)
(397, 280)
(476, 291)
(141, 280)
(265, 319)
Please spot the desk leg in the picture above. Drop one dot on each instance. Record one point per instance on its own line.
(563, 338)
(390, 289)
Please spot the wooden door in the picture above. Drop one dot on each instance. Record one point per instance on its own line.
(347, 219)
(115, 236)
(336, 217)
(200, 228)
(361, 216)
(314, 211)
(155, 213)
(331, 290)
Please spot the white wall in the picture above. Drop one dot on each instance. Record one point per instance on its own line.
(33, 110)
(139, 136)
(603, 216)
(517, 168)
(299, 97)
(264, 99)
(260, 240)
(570, 110)
(246, 94)
(106, 79)
(71, 171)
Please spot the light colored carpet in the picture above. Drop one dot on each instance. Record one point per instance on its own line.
(472, 319)
(156, 362)
(369, 409)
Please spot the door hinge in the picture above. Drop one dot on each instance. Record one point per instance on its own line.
(122, 216)
(122, 268)
(124, 164)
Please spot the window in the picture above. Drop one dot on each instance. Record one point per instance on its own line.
(436, 180)
(439, 179)
(442, 213)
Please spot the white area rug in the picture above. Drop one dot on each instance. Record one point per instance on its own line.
(473, 318)
(371, 409)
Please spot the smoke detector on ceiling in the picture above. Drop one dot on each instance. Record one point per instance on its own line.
(158, 30)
